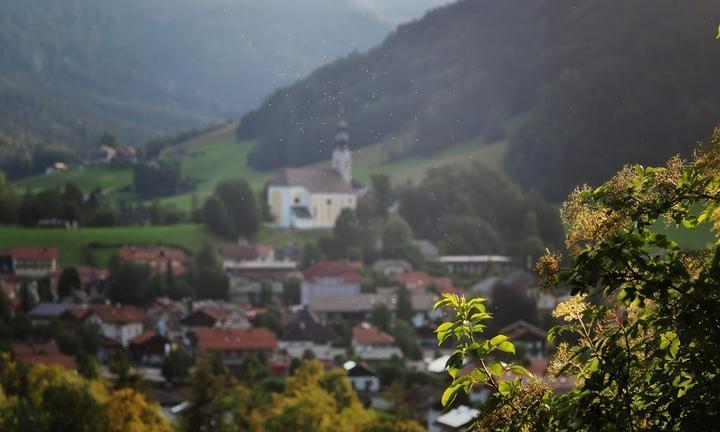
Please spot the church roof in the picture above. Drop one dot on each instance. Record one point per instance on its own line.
(314, 180)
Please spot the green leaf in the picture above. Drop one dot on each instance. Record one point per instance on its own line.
(675, 347)
(442, 336)
(440, 303)
(498, 339)
(496, 369)
(449, 394)
(505, 388)
(480, 316)
(444, 327)
(520, 371)
(507, 347)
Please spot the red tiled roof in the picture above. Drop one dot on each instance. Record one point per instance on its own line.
(236, 340)
(242, 252)
(119, 313)
(215, 312)
(323, 181)
(35, 254)
(523, 330)
(332, 269)
(137, 254)
(245, 251)
(414, 279)
(143, 337)
(46, 354)
(263, 250)
(366, 334)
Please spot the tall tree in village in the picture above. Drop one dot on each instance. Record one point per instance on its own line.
(209, 280)
(69, 281)
(381, 193)
(241, 204)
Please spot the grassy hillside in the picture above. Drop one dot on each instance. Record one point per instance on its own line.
(214, 157)
(109, 179)
(96, 245)
(218, 155)
(374, 159)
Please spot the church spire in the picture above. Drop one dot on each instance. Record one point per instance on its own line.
(342, 156)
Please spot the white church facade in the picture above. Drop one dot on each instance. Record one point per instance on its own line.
(303, 198)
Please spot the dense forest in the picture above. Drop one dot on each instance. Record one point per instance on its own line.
(578, 89)
(72, 70)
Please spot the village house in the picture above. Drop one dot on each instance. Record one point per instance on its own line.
(531, 338)
(372, 344)
(118, 322)
(157, 258)
(475, 264)
(358, 308)
(149, 348)
(363, 379)
(47, 354)
(304, 332)
(251, 290)
(233, 255)
(34, 263)
(166, 316)
(305, 198)
(420, 281)
(46, 313)
(92, 279)
(234, 345)
(458, 419)
(204, 317)
(329, 278)
(392, 267)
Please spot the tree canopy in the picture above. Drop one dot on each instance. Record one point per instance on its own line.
(640, 333)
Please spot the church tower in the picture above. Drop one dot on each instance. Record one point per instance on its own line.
(342, 156)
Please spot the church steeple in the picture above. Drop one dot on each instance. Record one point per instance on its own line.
(342, 156)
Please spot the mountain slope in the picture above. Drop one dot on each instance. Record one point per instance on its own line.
(578, 88)
(71, 70)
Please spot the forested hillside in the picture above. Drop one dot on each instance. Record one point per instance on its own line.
(72, 70)
(578, 88)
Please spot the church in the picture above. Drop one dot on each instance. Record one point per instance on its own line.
(305, 198)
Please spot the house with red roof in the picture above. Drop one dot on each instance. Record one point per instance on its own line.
(234, 345)
(206, 316)
(235, 254)
(149, 348)
(91, 278)
(329, 278)
(34, 263)
(48, 354)
(420, 281)
(366, 335)
(372, 344)
(531, 337)
(118, 322)
(157, 258)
